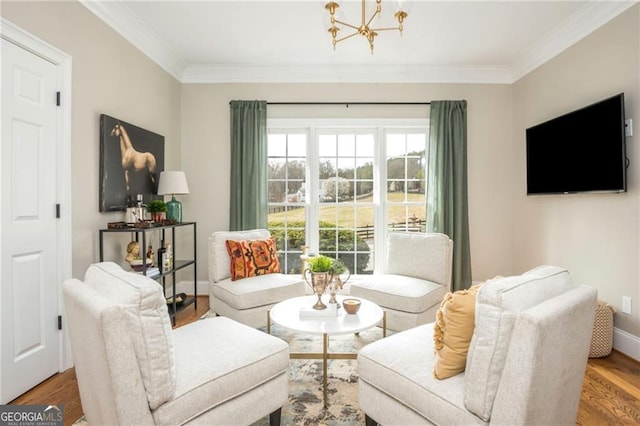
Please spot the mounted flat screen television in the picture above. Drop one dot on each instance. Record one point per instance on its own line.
(581, 151)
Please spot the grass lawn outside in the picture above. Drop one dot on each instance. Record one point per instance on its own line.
(344, 214)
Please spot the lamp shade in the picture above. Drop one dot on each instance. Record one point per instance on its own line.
(173, 183)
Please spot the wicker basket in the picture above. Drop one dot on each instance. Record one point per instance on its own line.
(602, 337)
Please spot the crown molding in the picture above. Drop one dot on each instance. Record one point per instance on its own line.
(345, 74)
(587, 20)
(138, 33)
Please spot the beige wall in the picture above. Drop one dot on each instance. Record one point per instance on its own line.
(595, 236)
(112, 77)
(205, 126)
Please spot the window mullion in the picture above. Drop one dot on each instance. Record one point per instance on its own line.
(380, 200)
(312, 181)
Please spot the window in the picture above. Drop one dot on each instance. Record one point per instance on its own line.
(338, 187)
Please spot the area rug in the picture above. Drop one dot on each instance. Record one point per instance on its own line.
(305, 405)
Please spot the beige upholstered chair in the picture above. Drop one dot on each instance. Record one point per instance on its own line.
(133, 369)
(246, 300)
(525, 365)
(417, 275)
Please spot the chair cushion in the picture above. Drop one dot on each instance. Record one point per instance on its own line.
(233, 360)
(250, 258)
(452, 331)
(398, 292)
(258, 291)
(433, 250)
(497, 306)
(396, 366)
(219, 260)
(145, 307)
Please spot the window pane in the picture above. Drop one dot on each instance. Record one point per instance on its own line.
(296, 169)
(276, 168)
(396, 145)
(346, 168)
(327, 145)
(364, 168)
(416, 143)
(365, 146)
(327, 168)
(346, 145)
(277, 191)
(276, 145)
(396, 168)
(364, 191)
(297, 145)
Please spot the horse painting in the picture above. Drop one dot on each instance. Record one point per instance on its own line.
(131, 160)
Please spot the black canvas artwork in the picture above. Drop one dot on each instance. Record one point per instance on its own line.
(131, 159)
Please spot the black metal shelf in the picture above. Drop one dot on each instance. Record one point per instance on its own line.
(178, 265)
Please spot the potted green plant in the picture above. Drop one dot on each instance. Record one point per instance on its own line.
(320, 263)
(158, 210)
(338, 269)
(318, 275)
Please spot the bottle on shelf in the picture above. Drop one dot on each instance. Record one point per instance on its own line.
(168, 258)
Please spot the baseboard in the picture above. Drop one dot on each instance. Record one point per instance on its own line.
(626, 343)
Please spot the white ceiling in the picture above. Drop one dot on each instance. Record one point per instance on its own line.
(286, 41)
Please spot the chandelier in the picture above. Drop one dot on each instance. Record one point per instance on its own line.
(365, 28)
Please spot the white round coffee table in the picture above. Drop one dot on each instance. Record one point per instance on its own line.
(288, 314)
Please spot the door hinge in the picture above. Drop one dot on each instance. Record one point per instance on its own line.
(59, 322)
(57, 98)
(57, 211)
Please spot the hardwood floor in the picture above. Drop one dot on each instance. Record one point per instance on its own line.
(610, 394)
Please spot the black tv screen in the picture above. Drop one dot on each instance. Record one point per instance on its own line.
(581, 151)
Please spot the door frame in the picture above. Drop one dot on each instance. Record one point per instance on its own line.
(41, 48)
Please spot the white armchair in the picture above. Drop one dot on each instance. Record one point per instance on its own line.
(132, 368)
(246, 300)
(417, 275)
(525, 364)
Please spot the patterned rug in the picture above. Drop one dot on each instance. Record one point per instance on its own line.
(305, 405)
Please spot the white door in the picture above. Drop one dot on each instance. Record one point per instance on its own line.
(29, 262)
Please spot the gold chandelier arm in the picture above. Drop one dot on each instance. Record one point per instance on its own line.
(346, 37)
(386, 29)
(347, 25)
(372, 16)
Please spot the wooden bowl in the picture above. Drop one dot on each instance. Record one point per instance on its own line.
(352, 306)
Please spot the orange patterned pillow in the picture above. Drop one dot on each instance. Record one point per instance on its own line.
(250, 258)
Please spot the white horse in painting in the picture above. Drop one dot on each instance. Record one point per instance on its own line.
(131, 158)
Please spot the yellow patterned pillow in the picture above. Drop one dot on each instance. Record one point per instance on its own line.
(452, 332)
(250, 258)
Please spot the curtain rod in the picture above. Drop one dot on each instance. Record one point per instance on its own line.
(348, 103)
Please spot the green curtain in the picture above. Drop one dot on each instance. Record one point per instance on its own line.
(447, 206)
(248, 199)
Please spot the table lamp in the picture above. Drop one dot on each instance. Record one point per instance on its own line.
(173, 183)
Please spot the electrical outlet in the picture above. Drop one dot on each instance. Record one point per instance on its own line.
(628, 127)
(626, 305)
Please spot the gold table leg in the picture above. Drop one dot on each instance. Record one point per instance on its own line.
(384, 323)
(325, 355)
(268, 321)
(325, 344)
